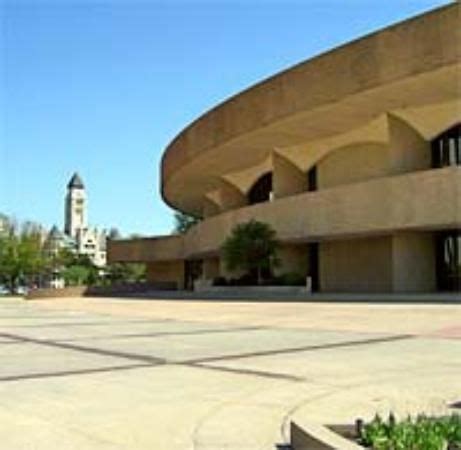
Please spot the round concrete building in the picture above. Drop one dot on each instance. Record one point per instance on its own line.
(353, 157)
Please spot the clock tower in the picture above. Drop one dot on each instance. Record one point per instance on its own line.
(75, 214)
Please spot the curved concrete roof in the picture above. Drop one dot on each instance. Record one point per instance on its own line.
(413, 64)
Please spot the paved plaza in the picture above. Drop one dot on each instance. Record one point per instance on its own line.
(169, 374)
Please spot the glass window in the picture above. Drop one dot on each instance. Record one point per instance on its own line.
(448, 260)
(261, 191)
(446, 148)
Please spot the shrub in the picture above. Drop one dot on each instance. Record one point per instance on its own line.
(219, 281)
(247, 279)
(251, 247)
(422, 433)
(292, 279)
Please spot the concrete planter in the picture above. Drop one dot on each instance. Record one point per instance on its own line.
(206, 287)
(102, 291)
(320, 437)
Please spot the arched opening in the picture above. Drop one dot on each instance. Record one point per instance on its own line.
(261, 191)
(446, 148)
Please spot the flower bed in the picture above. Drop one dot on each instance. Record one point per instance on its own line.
(420, 433)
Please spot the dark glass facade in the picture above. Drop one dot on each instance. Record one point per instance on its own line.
(261, 190)
(448, 260)
(446, 148)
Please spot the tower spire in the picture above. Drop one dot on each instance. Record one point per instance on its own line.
(75, 182)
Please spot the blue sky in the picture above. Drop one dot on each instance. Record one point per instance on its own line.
(101, 87)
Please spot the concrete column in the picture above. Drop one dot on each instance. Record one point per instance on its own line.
(287, 178)
(293, 258)
(356, 265)
(409, 151)
(413, 262)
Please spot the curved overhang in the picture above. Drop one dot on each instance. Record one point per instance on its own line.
(405, 69)
(418, 201)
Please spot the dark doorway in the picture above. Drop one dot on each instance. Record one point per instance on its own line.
(193, 269)
(448, 260)
(313, 252)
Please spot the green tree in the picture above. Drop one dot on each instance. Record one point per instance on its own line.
(123, 273)
(78, 270)
(22, 256)
(183, 222)
(76, 275)
(251, 247)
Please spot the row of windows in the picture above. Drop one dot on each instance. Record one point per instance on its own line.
(446, 151)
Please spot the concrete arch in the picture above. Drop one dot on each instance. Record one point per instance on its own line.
(288, 179)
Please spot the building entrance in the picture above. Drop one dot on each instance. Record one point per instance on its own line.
(448, 261)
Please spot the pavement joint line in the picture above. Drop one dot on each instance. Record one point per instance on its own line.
(300, 349)
(259, 373)
(82, 324)
(85, 349)
(161, 333)
(65, 373)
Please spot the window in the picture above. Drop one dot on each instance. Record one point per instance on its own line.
(261, 191)
(446, 148)
(312, 179)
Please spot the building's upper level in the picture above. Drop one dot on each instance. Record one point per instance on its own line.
(381, 99)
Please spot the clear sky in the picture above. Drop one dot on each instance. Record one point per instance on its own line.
(101, 87)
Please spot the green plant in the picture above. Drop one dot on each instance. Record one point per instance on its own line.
(22, 256)
(291, 279)
(219, 281)
(421, 433)
(251, 247)
(124, 273)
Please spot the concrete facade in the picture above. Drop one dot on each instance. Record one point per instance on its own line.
(351, 157)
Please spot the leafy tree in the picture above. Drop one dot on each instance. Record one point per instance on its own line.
(122, 273)
(76, 275)
(251, 247)
(22, 257)
(78, 269)
(183, 222)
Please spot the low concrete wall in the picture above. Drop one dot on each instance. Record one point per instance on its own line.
(74, 291)
(99, 291)
(241, 290)
(318, 437)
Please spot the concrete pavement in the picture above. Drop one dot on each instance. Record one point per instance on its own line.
(138, 374)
